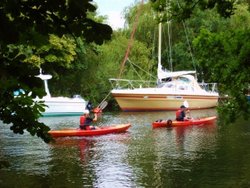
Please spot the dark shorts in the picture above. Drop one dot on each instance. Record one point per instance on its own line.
(84, 127)
(179, 119)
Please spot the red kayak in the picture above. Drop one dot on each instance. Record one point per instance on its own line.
(100, 131)
(169, 123)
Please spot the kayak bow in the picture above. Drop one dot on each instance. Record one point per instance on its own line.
(100, 131)
(168, 123)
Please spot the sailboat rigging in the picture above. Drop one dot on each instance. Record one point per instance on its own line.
(168, 93)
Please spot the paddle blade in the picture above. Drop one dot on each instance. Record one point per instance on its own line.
(100, 107)
(103, 105)
(185, 103)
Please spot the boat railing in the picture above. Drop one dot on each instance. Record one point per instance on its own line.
(210, 87)
(130, 84)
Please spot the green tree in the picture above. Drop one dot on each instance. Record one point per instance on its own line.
(226, 58)
(184, 9)
(110, 58)
(39, 34)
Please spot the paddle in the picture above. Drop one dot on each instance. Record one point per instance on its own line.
(100, 107)
(185, 103)
(103, 105)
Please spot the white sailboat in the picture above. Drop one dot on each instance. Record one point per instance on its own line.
(167, 93)
(61, 106)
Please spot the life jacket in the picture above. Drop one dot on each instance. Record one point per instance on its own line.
(178, 114)
(82, 120)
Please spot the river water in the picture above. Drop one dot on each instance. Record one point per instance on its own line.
(191, 156)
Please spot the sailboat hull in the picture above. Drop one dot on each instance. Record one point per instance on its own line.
(162, 102)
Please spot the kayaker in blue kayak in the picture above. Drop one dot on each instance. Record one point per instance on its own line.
(86, 121)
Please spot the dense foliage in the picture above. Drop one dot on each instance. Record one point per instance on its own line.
(184, 9)
(39, 34)
(226, 60)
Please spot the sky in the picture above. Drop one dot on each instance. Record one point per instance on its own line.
(113, 9)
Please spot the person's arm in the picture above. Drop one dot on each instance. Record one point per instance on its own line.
(95, 117)
(188, 115)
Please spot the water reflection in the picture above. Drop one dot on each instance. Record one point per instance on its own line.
(191, 156)
(102, 160)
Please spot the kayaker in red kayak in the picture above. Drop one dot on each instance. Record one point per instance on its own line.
(86, 121)
(181, 113)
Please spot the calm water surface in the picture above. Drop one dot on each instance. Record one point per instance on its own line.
(193, 156)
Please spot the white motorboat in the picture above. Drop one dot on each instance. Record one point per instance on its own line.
(61, 106)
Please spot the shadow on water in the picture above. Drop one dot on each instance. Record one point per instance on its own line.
(190, 156)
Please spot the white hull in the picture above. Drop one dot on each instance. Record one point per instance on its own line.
(62, 106)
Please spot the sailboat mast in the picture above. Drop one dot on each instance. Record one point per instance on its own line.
(170, 46)
(159, 45)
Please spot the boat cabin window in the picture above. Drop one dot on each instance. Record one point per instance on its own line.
(77, 96)
(183, 79)
(179, 83)
(167, 79)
